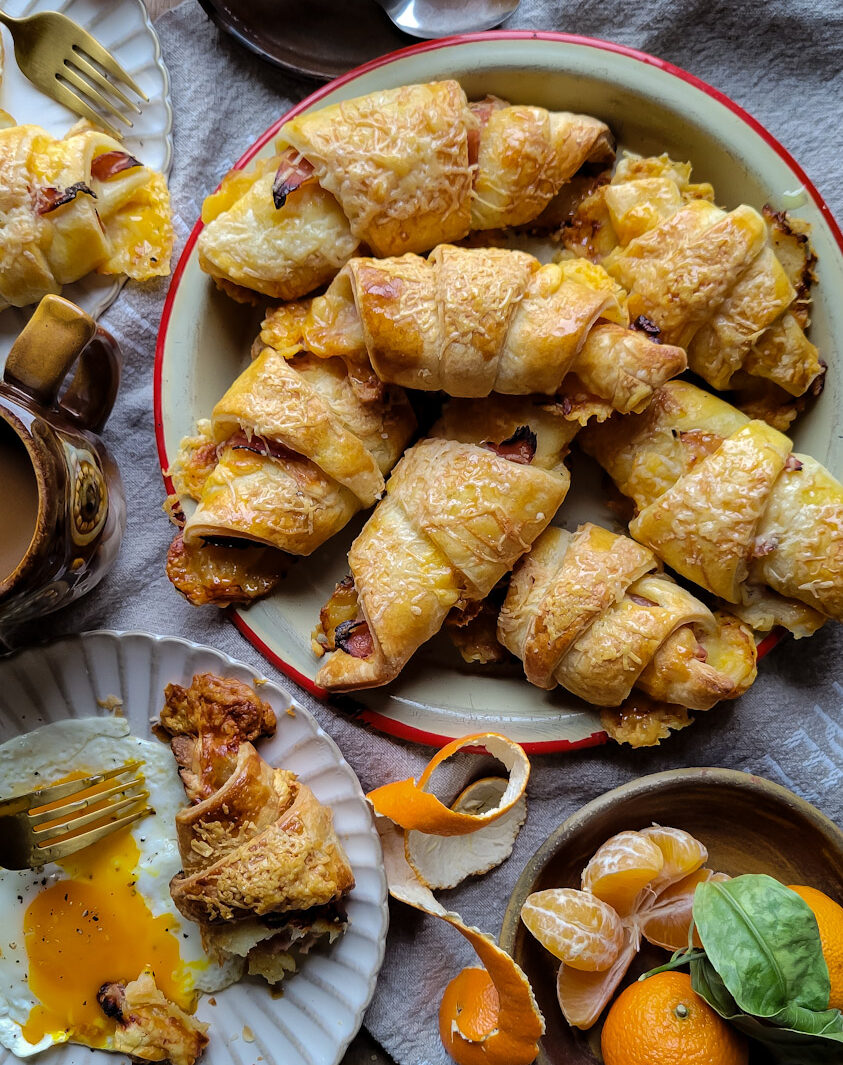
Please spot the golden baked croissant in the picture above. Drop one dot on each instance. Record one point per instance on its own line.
(722, 500)
(733, 288)
(396, 170)
(76, 204)
(471, 321)
(291, 453)
(457, 515)
(264, 871)
(585, 610)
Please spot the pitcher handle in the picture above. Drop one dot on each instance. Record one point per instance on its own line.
(58, 335)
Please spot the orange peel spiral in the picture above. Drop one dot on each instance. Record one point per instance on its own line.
(487, 1016)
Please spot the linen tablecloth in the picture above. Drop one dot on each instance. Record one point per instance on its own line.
(783, 61)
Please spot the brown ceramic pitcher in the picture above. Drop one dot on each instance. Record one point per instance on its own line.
(62, 511)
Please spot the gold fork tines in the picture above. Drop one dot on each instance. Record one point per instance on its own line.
(46, 825)
(67, 63)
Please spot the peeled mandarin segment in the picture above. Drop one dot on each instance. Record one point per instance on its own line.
(682, 854)
(513, 1040)
(410, 804)
(575, 927)
(621, 868)
(667, 921)
(445, 861)
(583, 996)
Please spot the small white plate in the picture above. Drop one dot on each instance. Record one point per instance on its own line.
(322, 1005)
(123, 27)
(652, 107)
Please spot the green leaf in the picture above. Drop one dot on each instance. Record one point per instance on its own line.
(763, 941)
(795, 1036)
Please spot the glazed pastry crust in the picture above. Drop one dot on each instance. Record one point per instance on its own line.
(59, 221)
(291, 454)
(255, 842)
(724, 501)
(472, 321)
(586, 611)
(731, 287)
(397, 170)
(456, 517)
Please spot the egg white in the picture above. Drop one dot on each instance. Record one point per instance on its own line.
(44, 755)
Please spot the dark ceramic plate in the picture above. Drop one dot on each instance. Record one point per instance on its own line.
(320, 38)
(748, 824)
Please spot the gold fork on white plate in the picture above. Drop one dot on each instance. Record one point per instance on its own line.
(67, 63)
(44, 825)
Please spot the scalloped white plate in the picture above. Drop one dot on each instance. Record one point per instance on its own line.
(123, 27)
(322, 1005)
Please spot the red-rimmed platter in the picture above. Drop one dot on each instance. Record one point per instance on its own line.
(652, 107)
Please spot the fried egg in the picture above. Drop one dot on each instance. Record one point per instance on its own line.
(105, 913)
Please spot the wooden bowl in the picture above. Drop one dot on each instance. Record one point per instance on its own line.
(748, 824)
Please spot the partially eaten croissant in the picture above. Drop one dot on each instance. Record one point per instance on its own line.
(74, 205)
(471, 321)
(396, 170)
(264, 872)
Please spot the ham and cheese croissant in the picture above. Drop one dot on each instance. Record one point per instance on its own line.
(586, 610)
(397, 170)
(723, 501)
(264, 871)
(457, 515)
(76, 204)
(290, 454)
(733, 288)
(471, 321)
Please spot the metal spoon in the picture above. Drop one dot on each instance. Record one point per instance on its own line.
(442, 18)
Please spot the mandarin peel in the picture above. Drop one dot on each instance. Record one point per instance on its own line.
(445, 861)
(410, 805)
(488, 1016)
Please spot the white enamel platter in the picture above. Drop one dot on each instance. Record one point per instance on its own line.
(322, 1005)
(652, 107)
(123, 27)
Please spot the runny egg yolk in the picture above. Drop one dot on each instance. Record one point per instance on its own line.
(91, 929)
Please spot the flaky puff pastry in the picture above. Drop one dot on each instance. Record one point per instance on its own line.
(724, 502)
(291, 453)
(73, 205)
(733, 288)
(396, 170)
(471, 321)
(586, 610)
(257, 847)
(456, 517)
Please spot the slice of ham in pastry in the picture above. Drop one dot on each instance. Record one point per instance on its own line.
(264, 873)
(457, 515)
(723, 500)
(396, 170)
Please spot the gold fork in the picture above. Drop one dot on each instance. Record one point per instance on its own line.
(25, 845)
(58, 56)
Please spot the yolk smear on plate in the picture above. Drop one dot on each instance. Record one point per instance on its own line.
(91, 929)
